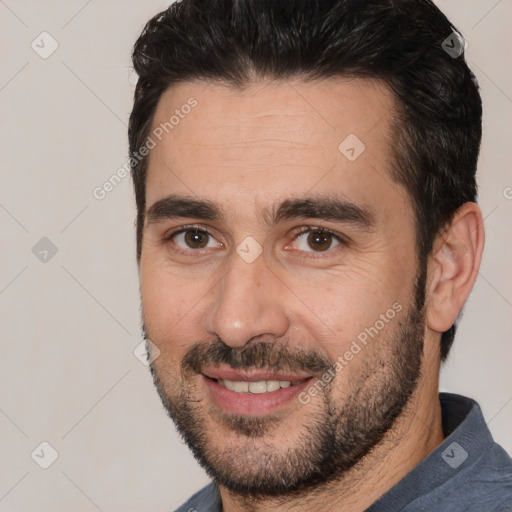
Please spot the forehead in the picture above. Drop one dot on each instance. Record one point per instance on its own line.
(305, 111)
(269, 141)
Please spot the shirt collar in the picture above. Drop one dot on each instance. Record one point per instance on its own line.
(467, 438)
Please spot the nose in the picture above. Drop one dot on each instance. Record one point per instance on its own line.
(246, 304)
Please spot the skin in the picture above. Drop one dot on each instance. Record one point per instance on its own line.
(247, 151)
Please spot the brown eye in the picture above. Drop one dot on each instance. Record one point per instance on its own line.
(316, 240)
(319, 241)
(196, 239)
(193, 239)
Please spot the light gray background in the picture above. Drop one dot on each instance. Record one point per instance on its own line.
(70, 325)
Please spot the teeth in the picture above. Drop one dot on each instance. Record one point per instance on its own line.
(262, 386)
(258, 387)
(229, 384)
(240, 387)
(272, 385)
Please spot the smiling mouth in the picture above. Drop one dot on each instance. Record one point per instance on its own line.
(257, 387)
(254, 392)
(248, 383)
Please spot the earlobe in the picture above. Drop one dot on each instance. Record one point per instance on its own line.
(453, 266)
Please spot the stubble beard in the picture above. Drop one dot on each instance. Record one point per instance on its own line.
(336, 434)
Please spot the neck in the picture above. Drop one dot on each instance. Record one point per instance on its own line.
(416, 433)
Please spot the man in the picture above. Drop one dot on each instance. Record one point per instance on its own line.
(307, 235)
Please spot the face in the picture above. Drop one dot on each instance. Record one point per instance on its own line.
(279, 278)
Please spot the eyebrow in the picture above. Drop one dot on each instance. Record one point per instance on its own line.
(330, 208)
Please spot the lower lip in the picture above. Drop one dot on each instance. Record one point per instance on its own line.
(249, 404)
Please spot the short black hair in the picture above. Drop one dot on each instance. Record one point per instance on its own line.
(406, 44)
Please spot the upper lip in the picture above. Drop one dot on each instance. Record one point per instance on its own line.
(256, 375)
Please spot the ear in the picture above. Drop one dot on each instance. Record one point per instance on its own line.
(453, 266)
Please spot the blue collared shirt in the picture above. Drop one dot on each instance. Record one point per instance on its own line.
(467, 472)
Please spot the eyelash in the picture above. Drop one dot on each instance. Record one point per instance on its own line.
(316, 229)
(183, 229)
(299, 231)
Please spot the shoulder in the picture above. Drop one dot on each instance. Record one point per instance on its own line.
(494, 480)
(486, 484)
(484, 479)
(205, 500)
(467, 471)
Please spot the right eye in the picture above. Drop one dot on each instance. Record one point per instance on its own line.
(193, 239)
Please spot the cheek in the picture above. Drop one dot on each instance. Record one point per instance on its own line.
(344, 305)
(170, 307)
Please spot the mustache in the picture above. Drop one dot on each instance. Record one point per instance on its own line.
(268, 355)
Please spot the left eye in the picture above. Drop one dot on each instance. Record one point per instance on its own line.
(317, 241)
